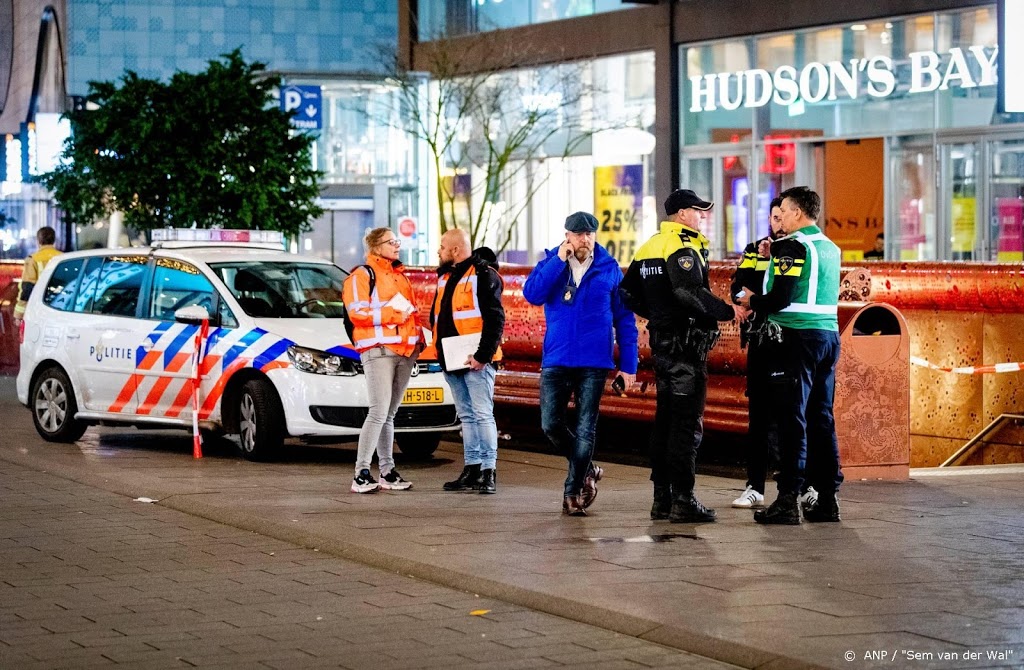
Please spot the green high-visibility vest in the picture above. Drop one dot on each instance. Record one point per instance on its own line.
(816, 298)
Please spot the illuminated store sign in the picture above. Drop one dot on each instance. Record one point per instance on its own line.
(875, 77)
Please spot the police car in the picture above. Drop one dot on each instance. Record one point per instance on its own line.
(106, 340)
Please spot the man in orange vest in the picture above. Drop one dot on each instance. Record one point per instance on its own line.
(467, 305)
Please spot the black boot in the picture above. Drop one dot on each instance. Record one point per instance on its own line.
(687, 509)
(469, 479)
(825, 509)
(662, 506)
(488, 481)
(784, 510)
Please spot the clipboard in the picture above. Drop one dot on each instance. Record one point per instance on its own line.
(457, 349)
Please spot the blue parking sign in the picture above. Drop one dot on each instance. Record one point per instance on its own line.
(303, 103)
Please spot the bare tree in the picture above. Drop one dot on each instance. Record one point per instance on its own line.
(484, 128)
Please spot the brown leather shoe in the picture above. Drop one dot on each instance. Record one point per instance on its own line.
(572, 506)
(590, 486)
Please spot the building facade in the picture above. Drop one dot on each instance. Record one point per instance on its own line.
(890, 113)
(326, 48)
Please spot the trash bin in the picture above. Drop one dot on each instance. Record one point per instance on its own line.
(872, 403)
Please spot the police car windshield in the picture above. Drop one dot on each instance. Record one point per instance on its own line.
(284, 290)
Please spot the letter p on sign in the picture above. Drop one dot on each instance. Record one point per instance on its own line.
(292, 99)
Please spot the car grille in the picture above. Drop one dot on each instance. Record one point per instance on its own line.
(436, 416)
(421, 368)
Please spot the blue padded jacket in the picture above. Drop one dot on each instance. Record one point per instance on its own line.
(582, 334)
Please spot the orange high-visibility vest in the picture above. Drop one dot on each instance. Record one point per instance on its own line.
(465, 309)
(374, 323)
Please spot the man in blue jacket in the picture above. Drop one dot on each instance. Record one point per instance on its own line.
(578, 284)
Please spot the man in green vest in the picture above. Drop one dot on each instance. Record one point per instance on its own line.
(802, 299)
(34, 265)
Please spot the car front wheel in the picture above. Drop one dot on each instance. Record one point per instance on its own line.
(54, 407)
(260, 421)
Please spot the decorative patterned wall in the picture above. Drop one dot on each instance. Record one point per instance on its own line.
(157, 37)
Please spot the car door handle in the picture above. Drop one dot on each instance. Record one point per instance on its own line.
(73, 335)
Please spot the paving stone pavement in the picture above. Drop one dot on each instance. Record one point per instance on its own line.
(929, 571)
(92, 579)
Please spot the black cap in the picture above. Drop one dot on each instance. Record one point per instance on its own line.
(581, 222)
(684, 198)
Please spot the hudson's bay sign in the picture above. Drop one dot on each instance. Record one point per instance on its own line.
(876, 77)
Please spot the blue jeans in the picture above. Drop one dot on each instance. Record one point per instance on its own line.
(387, 374)
(804, 383)
(576, 443)
(473, 392)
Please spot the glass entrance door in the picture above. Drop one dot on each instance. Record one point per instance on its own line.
(981, 202)
(726, 181)
(912, 234)
(1006, 229)
(961, 207)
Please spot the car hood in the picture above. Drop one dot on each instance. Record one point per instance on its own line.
(322, 334)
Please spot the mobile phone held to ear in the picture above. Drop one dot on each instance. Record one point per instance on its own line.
(619, 385)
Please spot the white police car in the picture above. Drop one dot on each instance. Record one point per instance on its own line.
(101, 345)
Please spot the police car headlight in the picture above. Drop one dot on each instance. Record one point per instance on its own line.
(321, 362)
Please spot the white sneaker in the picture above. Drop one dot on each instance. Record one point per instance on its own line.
(392, 481)
(364, 483)
(749, 498)
(810, 497)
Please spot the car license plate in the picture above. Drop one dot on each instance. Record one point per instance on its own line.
(423, 396)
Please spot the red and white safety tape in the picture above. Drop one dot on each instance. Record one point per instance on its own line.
(971, 370)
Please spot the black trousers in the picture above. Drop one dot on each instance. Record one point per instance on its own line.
(682, 381)
(763, 435)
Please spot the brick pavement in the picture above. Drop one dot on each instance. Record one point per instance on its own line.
(929, 566)
(92, 579)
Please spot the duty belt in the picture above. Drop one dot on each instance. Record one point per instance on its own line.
(760, 332)
(700, 341)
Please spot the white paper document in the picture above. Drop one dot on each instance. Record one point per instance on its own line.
(400, 303)
(459, 348)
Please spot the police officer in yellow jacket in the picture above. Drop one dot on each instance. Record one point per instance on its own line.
(667, 283)
(34, 265)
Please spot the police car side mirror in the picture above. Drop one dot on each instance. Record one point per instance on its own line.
(193, 315)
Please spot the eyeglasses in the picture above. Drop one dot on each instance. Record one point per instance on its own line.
(394, 241)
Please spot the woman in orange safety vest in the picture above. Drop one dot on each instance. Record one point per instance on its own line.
(387, 335)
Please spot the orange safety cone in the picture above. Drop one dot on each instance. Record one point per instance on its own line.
(197, 374)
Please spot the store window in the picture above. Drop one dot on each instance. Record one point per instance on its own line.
(716, 113)
(906, 104)
(973, 102)
(450, 18)
(1007, 186)
(861, 79)
(588, 145)
(361, 141)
